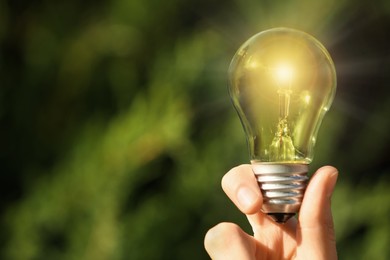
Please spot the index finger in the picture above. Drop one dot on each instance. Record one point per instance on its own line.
(240, 185)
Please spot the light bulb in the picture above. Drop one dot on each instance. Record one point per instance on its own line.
(282, 82)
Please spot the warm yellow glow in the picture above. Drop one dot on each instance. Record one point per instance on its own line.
(283, 74)
(307, 99)
(252, 64)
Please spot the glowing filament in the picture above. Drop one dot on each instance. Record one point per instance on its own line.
(282, 148)
(283, 75)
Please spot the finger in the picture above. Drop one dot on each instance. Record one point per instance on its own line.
(241, 187)
(228, 241)
(315, 232)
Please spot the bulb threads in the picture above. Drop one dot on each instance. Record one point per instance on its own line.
(282, 185)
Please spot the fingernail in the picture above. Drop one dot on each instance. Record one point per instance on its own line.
(246, 197)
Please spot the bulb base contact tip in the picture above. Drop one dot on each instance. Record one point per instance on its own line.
(282, 186)
(280, 217)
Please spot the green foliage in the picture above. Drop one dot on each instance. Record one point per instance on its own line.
(117, 126)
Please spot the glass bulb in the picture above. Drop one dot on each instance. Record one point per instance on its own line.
(282, 82)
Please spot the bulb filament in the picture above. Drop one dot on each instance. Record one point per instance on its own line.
(282, 147)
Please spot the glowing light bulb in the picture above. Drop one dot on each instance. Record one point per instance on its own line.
(282, 82)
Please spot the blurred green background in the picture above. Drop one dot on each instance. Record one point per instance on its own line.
(116, 126)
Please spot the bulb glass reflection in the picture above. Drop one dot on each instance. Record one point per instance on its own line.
(282, 82)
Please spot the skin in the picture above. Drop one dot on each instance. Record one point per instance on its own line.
(311, 236)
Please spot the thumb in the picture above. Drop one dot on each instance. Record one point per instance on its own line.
(315, 231)
(228, 241)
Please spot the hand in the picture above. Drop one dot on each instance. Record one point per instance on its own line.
(310, 237)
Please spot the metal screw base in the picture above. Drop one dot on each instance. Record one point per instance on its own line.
(282, 186)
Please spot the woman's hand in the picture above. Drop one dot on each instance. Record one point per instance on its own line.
(310, 237)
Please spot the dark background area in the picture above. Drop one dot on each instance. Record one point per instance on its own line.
(116, 125)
